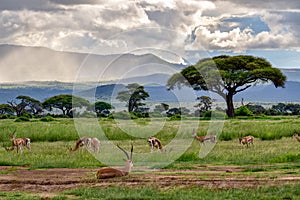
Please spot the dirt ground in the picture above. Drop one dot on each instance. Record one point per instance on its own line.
(49, 182)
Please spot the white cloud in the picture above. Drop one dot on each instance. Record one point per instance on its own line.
(95, 25)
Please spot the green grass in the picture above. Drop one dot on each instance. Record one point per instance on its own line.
(64, 129)
(57, 154)
(144, 193)
(17, 196)
(273, 150)
(49, 155)
(282, 192)
(51, 141)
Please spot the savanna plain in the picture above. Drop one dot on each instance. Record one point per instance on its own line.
(269, 169)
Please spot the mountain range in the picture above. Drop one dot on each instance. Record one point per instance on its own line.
(115, 72)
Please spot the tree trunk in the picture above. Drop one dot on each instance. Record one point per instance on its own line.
(229, 102)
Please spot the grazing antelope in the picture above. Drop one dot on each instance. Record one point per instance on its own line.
(247, 140)
(154, 142)
(296, 136)
(83, 141)
(18, 143)
(108, 172)
(95, 145)
(88, 142)
(202, 139)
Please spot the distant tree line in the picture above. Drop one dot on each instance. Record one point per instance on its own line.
(25, 106)
(65, 105)
(277, 109)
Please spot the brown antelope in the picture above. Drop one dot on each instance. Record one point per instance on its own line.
(296, 136)
(155, 143)
(202, 139)
(18, 143)
(83, 141)
(89, 143)
(108, 172)
(247, 140)
(95, 145)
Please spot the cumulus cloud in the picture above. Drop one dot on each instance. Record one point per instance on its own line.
(96, 25)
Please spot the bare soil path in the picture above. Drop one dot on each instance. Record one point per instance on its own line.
(48, 182)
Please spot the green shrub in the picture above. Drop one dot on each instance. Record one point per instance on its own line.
(22, 119)
(7, 116)
(243, 111)
(175, 117)
(27, 115)
(47, 119)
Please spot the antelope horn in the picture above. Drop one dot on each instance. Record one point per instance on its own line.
(131, 152)
(124, 152)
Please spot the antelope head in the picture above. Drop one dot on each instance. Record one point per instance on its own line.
(13, 136)
(108, 172)
(128, 162)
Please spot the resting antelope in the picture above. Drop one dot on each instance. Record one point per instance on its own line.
(202, 139)
(296, 136)
(247, 140)
(93, 143)
(18, 143)
(154, 142)
(108, 172)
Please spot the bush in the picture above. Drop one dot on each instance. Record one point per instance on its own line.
(139, 115)
(47, 119)
(175, 117)
(22, 119)
(243, 111)
(27, 115)
(7, 116)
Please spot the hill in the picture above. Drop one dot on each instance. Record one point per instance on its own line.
(158, 93)
(19, 64)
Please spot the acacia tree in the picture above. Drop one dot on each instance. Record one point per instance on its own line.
(133, 96)
(101, 107)
(33, 106)
(66, 103)
(205, 103)
(26, 104)
(6, 109)
(228, 75)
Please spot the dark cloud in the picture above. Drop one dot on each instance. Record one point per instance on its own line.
(26, 5)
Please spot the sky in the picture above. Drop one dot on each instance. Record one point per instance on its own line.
(189, 29)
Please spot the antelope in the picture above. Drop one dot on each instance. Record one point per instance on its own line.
(81, 142)
(155, 143)
(88, 142)
(247, 140)
(296, 136)
(95, 145)
(18, 143)
(202, 139)
(108, 172)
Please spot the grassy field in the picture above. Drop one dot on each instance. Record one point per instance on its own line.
(274, 150)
